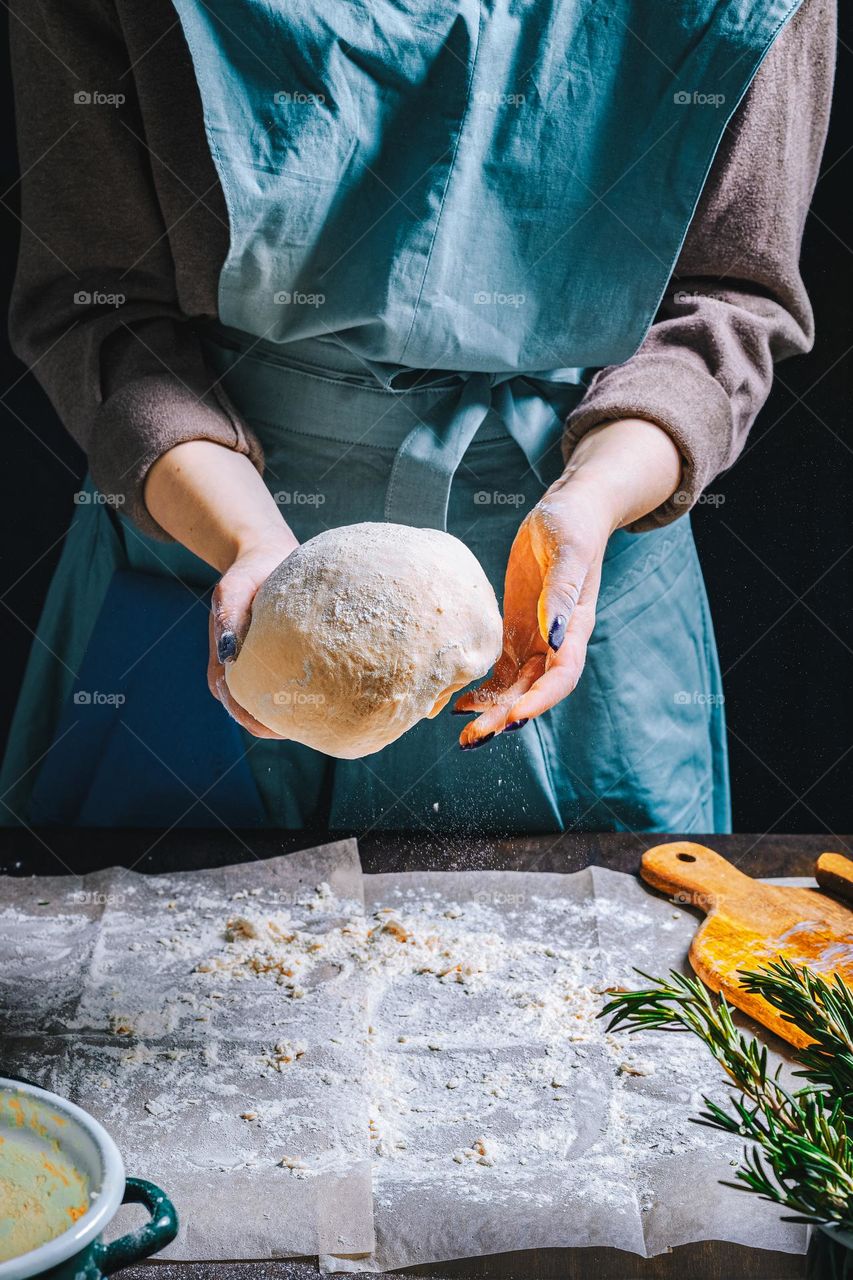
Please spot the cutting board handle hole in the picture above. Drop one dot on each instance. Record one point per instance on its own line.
(685, 857)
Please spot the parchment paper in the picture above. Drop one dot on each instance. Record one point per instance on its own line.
(107, 995)
(639, 929)
(447, 1043)
(608, 1158)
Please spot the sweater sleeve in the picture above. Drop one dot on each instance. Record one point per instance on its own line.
(95, 310)
(736, 302)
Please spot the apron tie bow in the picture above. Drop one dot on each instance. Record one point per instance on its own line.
(532, 408)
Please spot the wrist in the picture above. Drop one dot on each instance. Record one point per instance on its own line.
(626, 468)
(214, 501)
(584, 495)
(266, 534)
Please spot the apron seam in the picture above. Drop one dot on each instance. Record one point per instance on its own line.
(374, 388)
(618, 737)
(315, 435)
(654, 560)
(720, 783)
(360, 443)
(393, 481)
(681, 821)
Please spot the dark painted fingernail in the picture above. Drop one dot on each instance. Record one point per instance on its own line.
(226, 649)
(480, 742)
(557, 633)
(515, 724)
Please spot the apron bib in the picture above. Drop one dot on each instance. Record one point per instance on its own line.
(439, 216)
(471, 185)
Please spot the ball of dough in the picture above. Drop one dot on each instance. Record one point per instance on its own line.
(363, 631)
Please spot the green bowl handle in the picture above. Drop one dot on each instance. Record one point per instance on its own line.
(155, 1235)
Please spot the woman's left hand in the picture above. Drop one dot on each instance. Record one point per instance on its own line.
(619, 472)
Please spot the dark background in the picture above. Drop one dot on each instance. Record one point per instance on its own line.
(775, 550)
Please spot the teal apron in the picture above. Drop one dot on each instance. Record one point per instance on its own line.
(441, 213)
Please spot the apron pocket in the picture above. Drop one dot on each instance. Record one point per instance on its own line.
(661, 688)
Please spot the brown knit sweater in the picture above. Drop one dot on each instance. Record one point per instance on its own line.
(122, 201)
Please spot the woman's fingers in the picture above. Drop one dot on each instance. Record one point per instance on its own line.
(566, 661)
(563, 673)
(490, 691)
(497, 717)
(242, 716)
(565, 611)
(218, 687)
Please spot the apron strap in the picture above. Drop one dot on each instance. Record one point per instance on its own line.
(533, 410)
(419, 487)
(534, 415)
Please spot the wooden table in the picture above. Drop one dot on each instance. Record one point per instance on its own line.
(56, 850)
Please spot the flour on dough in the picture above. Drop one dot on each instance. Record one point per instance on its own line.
(362, 632)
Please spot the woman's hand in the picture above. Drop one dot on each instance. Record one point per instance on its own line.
(619, 472)
(214, 501)
(231, 613)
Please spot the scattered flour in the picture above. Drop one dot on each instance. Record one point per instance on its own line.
(446, 1035)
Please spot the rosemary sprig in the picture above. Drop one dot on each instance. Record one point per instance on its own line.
(803, 1153)
(824, 1011)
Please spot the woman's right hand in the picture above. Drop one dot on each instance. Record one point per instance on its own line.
(215, 502)
(231, 613)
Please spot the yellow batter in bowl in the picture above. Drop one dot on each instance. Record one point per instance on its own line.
(42, 1194)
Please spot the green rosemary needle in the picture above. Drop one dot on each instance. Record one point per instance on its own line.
(801, 1155)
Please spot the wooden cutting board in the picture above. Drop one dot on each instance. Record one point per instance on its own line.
(748, 924)
(834, 873)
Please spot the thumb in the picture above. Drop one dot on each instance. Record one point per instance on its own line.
(561, 588)
(231, 606)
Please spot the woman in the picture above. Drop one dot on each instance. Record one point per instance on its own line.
(520, 271)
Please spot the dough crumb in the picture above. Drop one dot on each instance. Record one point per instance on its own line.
(240, 927)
